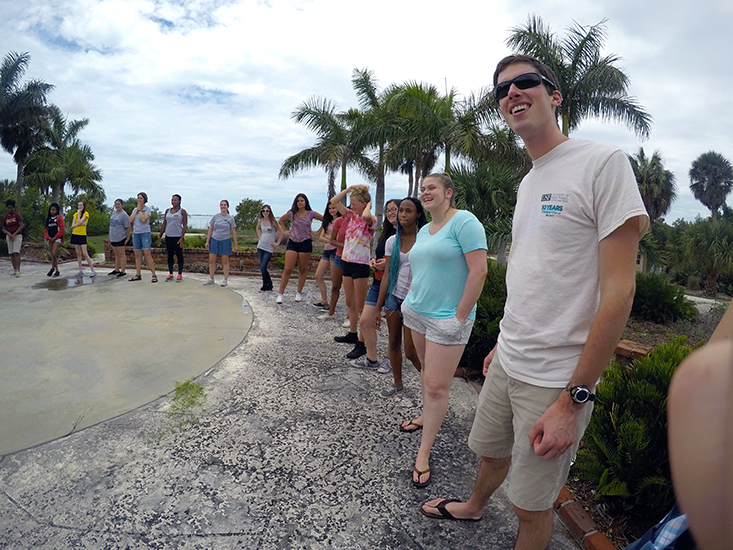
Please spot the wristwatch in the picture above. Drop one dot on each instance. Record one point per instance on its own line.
(580, 394)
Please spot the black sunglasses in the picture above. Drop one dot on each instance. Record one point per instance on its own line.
(523, 82)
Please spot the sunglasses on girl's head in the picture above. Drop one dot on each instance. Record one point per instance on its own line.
(523, 82)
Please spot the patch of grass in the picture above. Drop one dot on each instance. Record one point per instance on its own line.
(187, 403)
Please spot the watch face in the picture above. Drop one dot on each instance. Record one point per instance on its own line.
(581, 395)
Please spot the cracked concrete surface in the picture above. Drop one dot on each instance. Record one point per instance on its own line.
(294, 450)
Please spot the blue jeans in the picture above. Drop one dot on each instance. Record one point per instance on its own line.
(264, 257)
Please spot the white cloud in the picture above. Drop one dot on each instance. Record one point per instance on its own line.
(195, 97)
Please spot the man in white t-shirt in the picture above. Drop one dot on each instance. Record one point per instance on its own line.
(570, 286)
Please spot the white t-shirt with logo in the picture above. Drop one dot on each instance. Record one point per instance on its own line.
(574, 197)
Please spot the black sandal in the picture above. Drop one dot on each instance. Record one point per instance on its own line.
(135, 278)
(154, 279)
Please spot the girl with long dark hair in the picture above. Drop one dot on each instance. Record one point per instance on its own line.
(54, 233)
(268, 234)
(329, 254)
(79, 238)
(300, 243)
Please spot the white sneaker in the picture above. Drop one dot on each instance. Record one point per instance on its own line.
(346, 324)
(224, 282)
(279, 299)
(385, 366)
(324, 316)
(79, 273)
(298, 297)
(93, 273)
(389, 392)
(209, 282)
(364, 363)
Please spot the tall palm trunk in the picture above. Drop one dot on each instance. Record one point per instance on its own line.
(379, 206)
(19, 185)
(343, 176)
(418, 173)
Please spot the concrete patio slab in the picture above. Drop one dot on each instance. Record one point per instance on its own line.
(294, 450)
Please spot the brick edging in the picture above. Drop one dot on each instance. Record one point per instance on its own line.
(579, 523)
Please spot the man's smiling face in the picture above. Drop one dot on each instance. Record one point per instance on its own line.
(527, 111)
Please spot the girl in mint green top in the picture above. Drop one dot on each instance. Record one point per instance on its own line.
(448, 262)
(439, 268)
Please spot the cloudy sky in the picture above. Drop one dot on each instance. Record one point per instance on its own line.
(195, 96)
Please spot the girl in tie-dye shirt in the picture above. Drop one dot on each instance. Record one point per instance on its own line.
(360, 225)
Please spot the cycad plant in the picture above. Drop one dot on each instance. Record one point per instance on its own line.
(625, 446)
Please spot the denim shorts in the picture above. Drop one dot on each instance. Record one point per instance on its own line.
(220, 248)
(393, 304)
(338, 262)
(141, 241)
(328, 255)
(373, 294)
(448, 332)
(305, 247)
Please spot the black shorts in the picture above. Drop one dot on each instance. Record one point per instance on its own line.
(305, 247)
(118, 243)
(78, 239)
(356, 271)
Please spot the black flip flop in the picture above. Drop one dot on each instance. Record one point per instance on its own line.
(420, 484)
(417, 427)
(445, 514)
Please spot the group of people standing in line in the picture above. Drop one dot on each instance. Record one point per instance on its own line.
(123, 227)
(427, 278)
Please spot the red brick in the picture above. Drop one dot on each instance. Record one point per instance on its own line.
(640, 351)
(598, 541)
(577, 519)
(624, 348)
(564, 496)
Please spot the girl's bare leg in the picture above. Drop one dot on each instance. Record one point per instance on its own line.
(320, 281)
(304, 259)
(290, 257)
(212, 266)
(336, 281)
(79, 257)
(225, 266)
(138, 262)
(149, 260)
(368, 332)
(394, 345)
(436, 377)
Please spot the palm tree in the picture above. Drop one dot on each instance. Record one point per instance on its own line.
(591, 85)
(489, 191)
(656, 184)
(711, 180)
(22, 112)
(375, 126)
(335, 144)
(708, 246)
(424, 116)
(63, 159)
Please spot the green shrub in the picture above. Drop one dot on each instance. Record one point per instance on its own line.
(624, 448)
(489, 311)
(660, 301)
(196, 241)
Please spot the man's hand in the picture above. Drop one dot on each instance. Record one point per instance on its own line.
(555, 431)
(489, 358)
